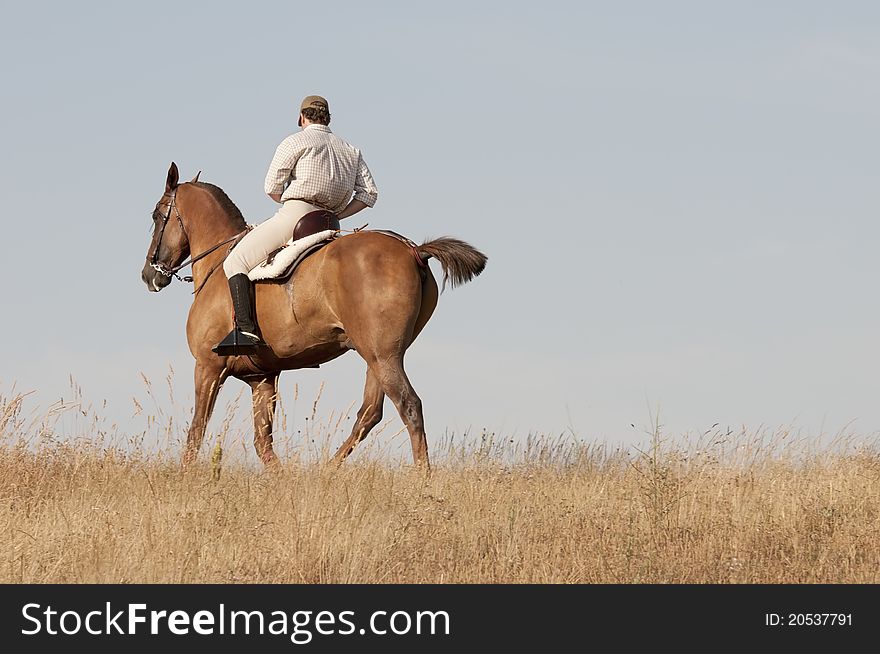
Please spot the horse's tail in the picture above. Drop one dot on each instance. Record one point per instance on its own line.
(461, 262)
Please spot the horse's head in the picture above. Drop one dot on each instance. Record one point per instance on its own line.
(169, 245)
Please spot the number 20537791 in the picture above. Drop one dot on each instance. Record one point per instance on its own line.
(808, 619)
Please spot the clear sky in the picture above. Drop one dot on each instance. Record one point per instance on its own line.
(678, 199)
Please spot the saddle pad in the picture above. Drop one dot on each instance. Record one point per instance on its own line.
(290, 256)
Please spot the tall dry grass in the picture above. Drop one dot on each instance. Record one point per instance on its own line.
(714, 508)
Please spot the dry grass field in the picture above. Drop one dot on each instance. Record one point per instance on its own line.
(713, 508)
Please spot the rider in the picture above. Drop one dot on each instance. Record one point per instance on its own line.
(312, 170)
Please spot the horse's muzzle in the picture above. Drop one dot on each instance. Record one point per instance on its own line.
(154, 280)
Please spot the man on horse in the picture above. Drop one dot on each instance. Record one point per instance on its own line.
(312, 170)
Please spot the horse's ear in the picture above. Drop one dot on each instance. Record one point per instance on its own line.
(173, 178)
(196, 178)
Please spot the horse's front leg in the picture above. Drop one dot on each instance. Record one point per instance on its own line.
(265, 394)
(209, 377)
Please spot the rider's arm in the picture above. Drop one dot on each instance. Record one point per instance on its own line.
(352, 208)
(283, 162)
(365, 191)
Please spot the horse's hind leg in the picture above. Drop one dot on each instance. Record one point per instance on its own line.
(265, 395)
(396, 385)
(209, 377)
(368, 416)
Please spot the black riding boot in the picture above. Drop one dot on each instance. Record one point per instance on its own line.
(244, 338)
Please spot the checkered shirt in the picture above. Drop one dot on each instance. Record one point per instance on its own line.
(317, 166)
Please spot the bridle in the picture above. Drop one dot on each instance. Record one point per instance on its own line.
(160, 267)
(157, 265)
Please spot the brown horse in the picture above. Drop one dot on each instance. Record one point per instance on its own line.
(366, 292)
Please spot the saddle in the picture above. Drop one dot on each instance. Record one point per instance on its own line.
(313, 231)
(314, 222)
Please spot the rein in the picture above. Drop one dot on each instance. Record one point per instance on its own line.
(162, 269)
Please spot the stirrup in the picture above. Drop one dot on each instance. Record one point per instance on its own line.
(238, 342)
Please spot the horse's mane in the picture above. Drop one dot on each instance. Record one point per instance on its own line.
(222, 199)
